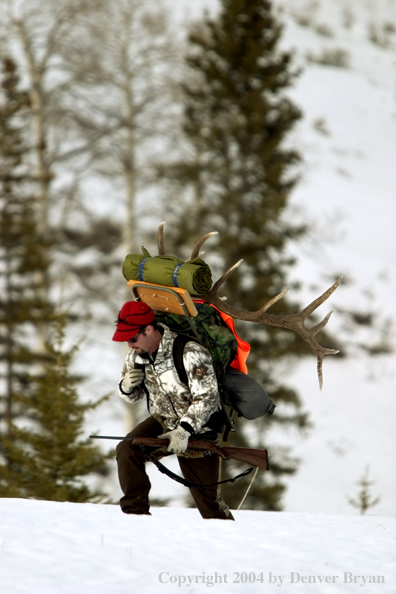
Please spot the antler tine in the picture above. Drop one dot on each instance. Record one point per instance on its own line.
(223, 278)
(160, 239)
(195, 252)
(270, 302)
(320, 356)
(315, 329)
(319, 368)
(317, 302)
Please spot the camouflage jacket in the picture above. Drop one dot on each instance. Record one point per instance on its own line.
(168, 397)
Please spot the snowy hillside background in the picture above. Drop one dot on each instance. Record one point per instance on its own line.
(348, 139)
(347, 192)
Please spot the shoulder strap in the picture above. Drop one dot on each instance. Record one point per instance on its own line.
(143, 368)
(178, 348)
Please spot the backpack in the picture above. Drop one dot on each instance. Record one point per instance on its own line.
(216, 332)
(211, 331)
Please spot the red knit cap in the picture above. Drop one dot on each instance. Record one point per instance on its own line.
(133, 315)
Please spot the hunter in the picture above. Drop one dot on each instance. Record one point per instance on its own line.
(177, 411)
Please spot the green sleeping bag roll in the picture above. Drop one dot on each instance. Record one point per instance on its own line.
(195, 275)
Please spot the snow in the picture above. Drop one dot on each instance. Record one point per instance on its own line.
(50, 547)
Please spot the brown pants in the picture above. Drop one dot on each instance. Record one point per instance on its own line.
(135, 483)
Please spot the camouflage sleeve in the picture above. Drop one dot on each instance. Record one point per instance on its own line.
(202, 382)
(137, 393)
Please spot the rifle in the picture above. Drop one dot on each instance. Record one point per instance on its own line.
(254, 457)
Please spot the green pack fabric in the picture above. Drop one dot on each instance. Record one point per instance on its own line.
(237, 390)
(212, 332)
(195, 275)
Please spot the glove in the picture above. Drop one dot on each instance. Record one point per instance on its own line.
(131, 380)
(178, 440)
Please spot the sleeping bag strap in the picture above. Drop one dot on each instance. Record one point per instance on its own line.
(141, 266)
(175, 272)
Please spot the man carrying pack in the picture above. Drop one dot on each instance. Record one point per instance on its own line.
(177, 411)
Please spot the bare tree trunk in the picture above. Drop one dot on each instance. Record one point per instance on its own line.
(8, 358)
(129, 171)
(41, 170)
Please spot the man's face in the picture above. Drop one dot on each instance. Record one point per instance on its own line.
(145, 342)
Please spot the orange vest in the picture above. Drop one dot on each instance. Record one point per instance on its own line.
(243, 348)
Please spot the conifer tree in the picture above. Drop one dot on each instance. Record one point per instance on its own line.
(48, 458)
(22, 256)
(364, 500)
(40, 418)
(237, 181)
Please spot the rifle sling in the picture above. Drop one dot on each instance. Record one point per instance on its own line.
(191, 485)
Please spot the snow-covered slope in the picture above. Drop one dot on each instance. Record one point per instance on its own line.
(67, 548)
(347, 193)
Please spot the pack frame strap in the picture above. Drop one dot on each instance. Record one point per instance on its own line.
(186, 483)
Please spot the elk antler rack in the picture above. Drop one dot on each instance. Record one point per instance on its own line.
(293, 322)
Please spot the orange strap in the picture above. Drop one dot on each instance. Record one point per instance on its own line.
(243, 348)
